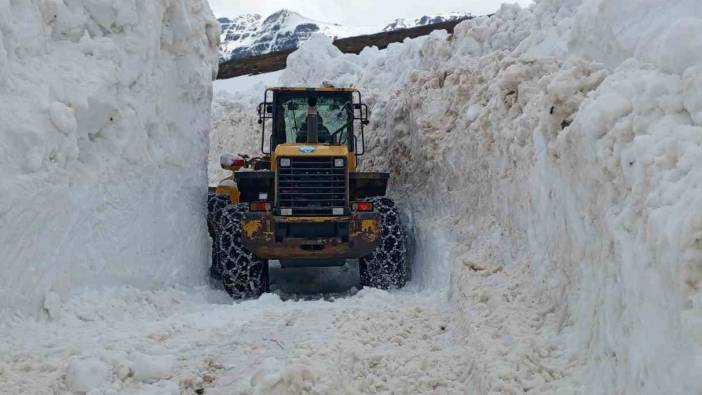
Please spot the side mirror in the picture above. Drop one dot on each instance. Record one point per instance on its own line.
(231, 162)
(264, 107)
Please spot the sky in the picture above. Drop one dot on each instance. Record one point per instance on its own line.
(357, 12)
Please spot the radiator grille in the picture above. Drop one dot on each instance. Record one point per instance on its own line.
(312, 186)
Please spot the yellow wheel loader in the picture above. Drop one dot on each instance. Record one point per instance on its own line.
(303, 202)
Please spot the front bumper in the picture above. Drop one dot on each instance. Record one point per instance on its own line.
(283, 238)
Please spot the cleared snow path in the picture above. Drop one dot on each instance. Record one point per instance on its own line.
(127, 341)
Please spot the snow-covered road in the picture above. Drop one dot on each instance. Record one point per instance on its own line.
(131, 341)
(292, 341)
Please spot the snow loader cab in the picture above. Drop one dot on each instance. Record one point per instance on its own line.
(304, 203)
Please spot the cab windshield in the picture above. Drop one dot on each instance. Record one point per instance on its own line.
(334, 119)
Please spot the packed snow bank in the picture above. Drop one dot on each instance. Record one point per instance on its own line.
(234, 119)
(547, 157)
(660, 32)
(104, 116)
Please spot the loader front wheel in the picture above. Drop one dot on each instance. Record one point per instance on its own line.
(244, 275)
(387, 267)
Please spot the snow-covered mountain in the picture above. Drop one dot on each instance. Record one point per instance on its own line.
(425, 20)
(251, 34)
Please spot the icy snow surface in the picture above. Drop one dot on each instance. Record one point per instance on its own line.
(546, 162)
(104, 115)
(127, 341)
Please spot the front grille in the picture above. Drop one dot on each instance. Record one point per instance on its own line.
(312, 186)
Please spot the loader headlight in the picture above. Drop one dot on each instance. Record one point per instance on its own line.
(339, 162)
(285, 162)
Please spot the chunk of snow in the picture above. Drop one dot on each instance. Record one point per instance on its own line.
(153, 367)
(85, 375)
(62, 117)
(52, 304)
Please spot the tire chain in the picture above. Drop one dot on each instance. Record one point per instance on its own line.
(387, 266)
(243, 274)
(215, 204)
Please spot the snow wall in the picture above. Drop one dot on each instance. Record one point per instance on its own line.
(104, 117)
(547, 160)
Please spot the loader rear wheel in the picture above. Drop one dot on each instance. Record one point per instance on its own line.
(387, 266)
(215, 204)
(243, 274)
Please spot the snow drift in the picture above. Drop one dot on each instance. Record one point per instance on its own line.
(549, 160)
(104, 116)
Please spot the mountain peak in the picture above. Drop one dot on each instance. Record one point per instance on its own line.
(402, 23)
(282, 15)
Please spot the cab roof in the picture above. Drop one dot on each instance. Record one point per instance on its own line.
(310, 89)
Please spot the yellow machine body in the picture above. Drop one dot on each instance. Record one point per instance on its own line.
(304, 238)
